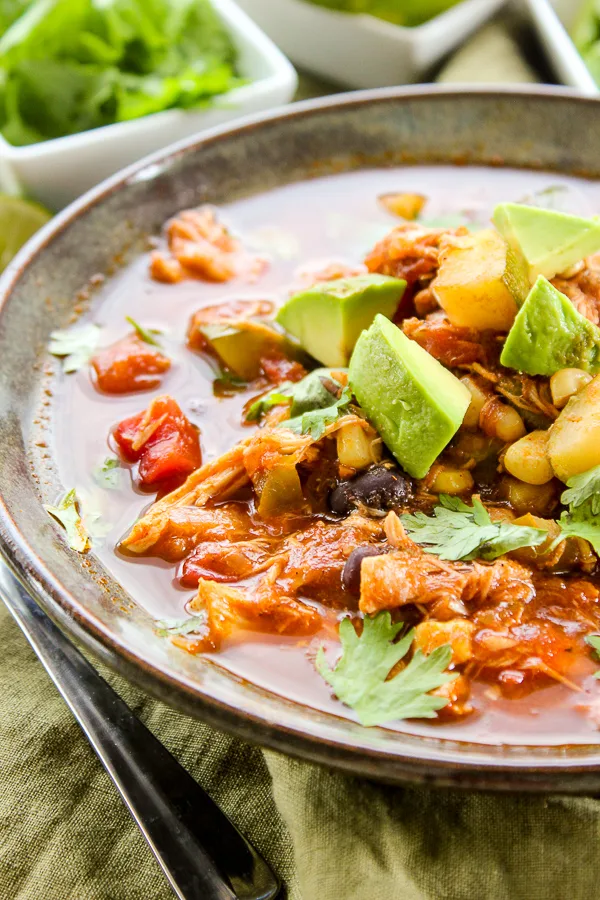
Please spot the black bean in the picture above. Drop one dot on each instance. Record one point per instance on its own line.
(380, 487)
(351, 571)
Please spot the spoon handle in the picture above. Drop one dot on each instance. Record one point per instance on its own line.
(202, 854)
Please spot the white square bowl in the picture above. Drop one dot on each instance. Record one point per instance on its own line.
(360, 51)
(55, 172)
(552, 21)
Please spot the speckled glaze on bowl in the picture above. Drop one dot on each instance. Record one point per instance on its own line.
(522, 129)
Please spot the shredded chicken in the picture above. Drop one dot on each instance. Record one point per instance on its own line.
(229, 608)
(409, 251)
(583, 288)
(200, 247)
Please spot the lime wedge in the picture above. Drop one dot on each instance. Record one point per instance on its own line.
(19, 220)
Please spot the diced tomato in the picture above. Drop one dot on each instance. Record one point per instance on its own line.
(279, 368)
(129, 365)
(162, 439)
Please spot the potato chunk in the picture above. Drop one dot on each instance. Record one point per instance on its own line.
(574, 441)
(474, 281)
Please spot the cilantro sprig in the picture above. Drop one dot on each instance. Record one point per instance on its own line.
(75, 346)
(582, 519)
(315, 421)
(457, 531)
(361, 677)
(66, 514)
(317, 390)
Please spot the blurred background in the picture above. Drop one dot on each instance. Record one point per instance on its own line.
(90, 86)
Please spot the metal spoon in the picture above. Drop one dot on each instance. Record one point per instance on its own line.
(202, 854)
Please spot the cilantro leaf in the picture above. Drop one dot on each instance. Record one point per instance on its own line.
(108, 473)
(359, 678)
(314, 422)
(146, 335)
(167, 628)
(261, 406)
(582, 519)
(582, 488)
(457, 531)
(75, 345)
(317, 390)
(67, 514)
(582, 524)
(594, 641)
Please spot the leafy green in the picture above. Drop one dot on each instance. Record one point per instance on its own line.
(108, 473)
(457, 531)
(314, 422)
(360, 678)
(67, 514)
(401, 12)
(75, 345)
(581, 523)
(594, 641)
(147, 335)
(317, 390)
(184, 626)
(582, 519)
(586, 36)
(71, 65)
(582, 488)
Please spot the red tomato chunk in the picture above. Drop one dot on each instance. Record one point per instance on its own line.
(129, 365)
(162, 439)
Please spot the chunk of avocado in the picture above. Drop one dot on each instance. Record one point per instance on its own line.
(548, 241)
(328, 317)
(414, 402)
(240, 345)
(549, 334)
(478, 279)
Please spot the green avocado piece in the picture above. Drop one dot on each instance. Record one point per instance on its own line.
(549, 334)
(328, 317)
(414, 402)
(548, 241)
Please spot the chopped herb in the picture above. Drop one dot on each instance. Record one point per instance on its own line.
(594, 641)
(183, 626)
(582, 520)
(274, 398)
(582, 524)
(317, 390)
(108, 473)
(360, 678)
(67, 514)
(145, 334)
(457, 531)
(316, 421)
(583, 488)
(75, 345)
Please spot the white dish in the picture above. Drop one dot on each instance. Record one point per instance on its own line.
(56, 172)
(361, 51)
(551, 21)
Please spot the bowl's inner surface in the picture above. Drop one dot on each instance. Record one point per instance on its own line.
(54, 427)
(336, 218)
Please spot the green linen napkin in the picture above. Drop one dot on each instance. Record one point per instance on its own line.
(65, 835)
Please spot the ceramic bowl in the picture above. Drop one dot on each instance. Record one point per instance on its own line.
(523, 129)
(361, 51)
